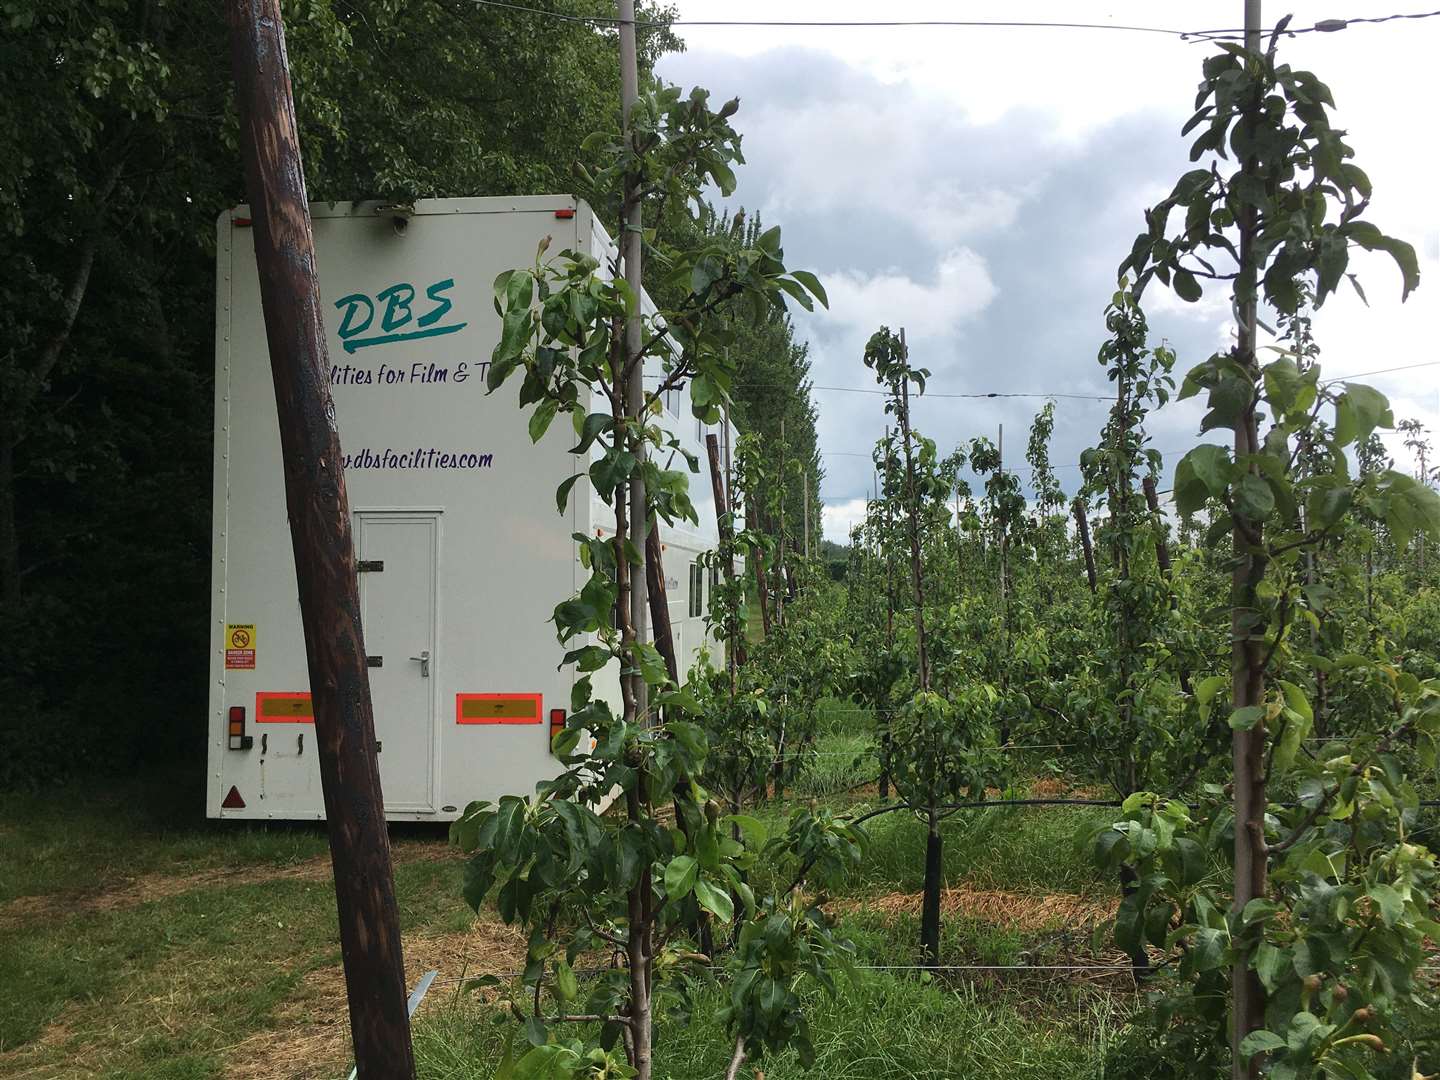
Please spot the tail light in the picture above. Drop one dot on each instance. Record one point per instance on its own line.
(238, 739)
(557, 723)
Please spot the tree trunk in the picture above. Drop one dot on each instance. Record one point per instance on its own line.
(1162, 546)
(1082, 525)
(762, 594)
(1247, 661)
(912, 505)
(637, 956)
(930, 907)
(660, 604)
(324, 552)
(1139, 958)
(735, 644)
(9, 531)
(882, 723)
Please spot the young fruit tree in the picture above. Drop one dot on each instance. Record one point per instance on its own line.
(626, 895)
(1308, 948)
(934, 748)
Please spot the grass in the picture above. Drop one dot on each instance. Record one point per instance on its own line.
(841, 763)
(159, 944)
(893, 1023)
(86, 837)
(876, 1027)
(138, 939)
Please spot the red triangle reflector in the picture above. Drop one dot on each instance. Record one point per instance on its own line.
(233, 801)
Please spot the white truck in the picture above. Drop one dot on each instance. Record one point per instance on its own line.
(462, 553)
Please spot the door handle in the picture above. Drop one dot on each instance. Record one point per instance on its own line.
(424, 661)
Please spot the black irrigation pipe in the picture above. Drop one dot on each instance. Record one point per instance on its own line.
(987, 804)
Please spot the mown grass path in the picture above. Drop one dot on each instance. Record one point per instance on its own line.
(139, 940)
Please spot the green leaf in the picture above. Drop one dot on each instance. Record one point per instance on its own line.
(811, 282)
(506, 1069)
(1245, 719)
(680, 876)
(562, 493)
(1270, 964)
(1358, 412)
(540, 419)
(566, 985)
(714, 899)
(1186, 287)
(1253, 497)
(479, 876)
(1207, 948)
(1388, 899)
(1202, 473)
(1260, 1042)
(1206, 690)
(1296, 699)
(751, 828)
(590, 430)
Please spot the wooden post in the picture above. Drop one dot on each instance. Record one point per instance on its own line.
(319, 513)
(1162, 546)
(1004, 551)
(1082, 525)
(631, 245)
(1247, 650)
(914, 516)
(805, 481)
(884, 552)
(780, 579)
(762, 592)
(660, 603)
(735, 653)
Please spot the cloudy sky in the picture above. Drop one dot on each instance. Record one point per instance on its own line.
(980, 186)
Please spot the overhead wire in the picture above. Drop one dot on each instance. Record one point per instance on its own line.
(1384, 371)
(1220, 34)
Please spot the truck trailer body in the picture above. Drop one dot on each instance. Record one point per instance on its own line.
(462, 553)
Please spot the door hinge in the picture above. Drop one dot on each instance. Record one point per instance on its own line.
(370, 566)
(374, 661)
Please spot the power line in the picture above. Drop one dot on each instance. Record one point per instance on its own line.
(650, 24)
(1385, 371)
(988, 394)
(1323, 26)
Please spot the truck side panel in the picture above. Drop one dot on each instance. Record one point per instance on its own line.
(463, 553)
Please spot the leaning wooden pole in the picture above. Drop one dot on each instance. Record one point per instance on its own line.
(660, 602)
(725, 525)
(1082, 526)
(324, 552)
(1247, 687)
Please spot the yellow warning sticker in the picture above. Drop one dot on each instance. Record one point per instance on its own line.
(240, 646)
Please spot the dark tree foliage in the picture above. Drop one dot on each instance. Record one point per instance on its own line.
(117, 150)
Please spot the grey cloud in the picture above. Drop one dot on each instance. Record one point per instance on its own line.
(1078, 206)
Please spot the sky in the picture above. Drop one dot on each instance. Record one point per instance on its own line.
(980, 186)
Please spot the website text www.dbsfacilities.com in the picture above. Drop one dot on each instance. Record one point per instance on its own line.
(419, 458)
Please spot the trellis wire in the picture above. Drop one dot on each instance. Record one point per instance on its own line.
(1126, 969)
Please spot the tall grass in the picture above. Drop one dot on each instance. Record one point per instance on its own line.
(878, 1027)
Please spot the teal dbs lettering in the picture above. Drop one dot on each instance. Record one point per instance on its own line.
(396, 312)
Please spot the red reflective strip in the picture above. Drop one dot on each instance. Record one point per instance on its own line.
(290, 707)
(497, 709)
